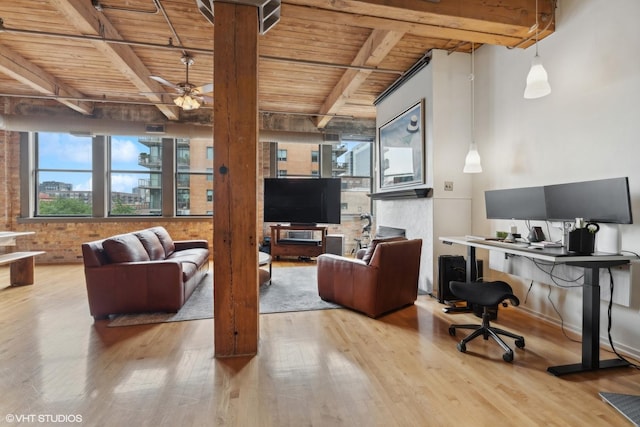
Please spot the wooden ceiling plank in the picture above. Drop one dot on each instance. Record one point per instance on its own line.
(20, 69)
(372, 52)
(88, 21)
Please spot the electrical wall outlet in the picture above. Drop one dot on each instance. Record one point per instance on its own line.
(448, 186)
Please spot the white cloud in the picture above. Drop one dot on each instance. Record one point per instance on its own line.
(124, 183)
(84, 186)
(67, 148)
(124, 150)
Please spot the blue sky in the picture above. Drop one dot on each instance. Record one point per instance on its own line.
(65, 151)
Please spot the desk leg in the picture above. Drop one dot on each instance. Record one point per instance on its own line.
(471, 270)
(471, 275)
(590, 330)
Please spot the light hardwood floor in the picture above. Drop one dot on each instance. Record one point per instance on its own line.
(317, 368)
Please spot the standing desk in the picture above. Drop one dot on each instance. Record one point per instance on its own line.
(591, 264)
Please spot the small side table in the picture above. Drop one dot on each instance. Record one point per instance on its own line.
(264, 276)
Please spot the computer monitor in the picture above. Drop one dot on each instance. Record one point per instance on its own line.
(516, 203)
(604, 200)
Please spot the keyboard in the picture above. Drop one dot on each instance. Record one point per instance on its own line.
(470, 237)
(546, 244)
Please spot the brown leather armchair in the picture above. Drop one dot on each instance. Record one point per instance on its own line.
(388, 281)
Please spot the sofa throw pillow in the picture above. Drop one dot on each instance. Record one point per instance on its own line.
(372, 246)
(165, 239)
(125, 248)
(151, 243)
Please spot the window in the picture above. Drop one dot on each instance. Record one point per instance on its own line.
(135, 176)
(114, 176)
(351, 161)
(63, 175)
(194, 179)
(282, 155)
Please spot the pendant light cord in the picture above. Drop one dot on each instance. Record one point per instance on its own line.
(550, 21)
(537, 28)
(473, 101)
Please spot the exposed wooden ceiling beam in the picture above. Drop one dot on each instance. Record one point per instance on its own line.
(88, 21)
(473, 21)
(372, 52)
(26, 72)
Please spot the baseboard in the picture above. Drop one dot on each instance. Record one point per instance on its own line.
(621, 348)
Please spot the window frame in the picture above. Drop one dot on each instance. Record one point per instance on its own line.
(185, 169)
(158, 174)
(37, 170)
(101, 187)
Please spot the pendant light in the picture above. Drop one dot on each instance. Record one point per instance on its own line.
(472, 161)
(537, 79)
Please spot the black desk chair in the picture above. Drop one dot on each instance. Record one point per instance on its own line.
(485, 294)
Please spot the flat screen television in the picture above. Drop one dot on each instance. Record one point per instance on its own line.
(604, 200)
(516, 203)
(302, 200)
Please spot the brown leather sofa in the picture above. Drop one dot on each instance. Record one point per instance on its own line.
(142, 271)
(385, 279)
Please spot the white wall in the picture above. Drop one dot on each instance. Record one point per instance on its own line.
(445, 86)
(587, 128)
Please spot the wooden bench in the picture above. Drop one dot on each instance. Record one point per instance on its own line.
(22, 266)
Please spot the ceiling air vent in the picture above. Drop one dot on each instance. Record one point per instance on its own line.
(268, 11)
(332, 137)
(206, 8)
(155, 128)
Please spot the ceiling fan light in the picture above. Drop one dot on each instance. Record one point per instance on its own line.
(190, 103)
(187, 102)
(179, 101)
(537, 80)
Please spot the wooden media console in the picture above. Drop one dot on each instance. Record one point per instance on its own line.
(299, 247)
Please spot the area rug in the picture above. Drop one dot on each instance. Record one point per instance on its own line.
(627, 404)
(291, 289)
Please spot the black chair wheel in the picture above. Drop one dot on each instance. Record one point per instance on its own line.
(462, 347)
(452, 331)
(508, 356)
(520, 343)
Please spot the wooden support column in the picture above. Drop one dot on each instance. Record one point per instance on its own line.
(235, 124)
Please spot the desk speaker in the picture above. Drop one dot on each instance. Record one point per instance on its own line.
(452, 267)
(335, 244)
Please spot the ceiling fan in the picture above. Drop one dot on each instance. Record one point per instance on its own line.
(188, 96)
